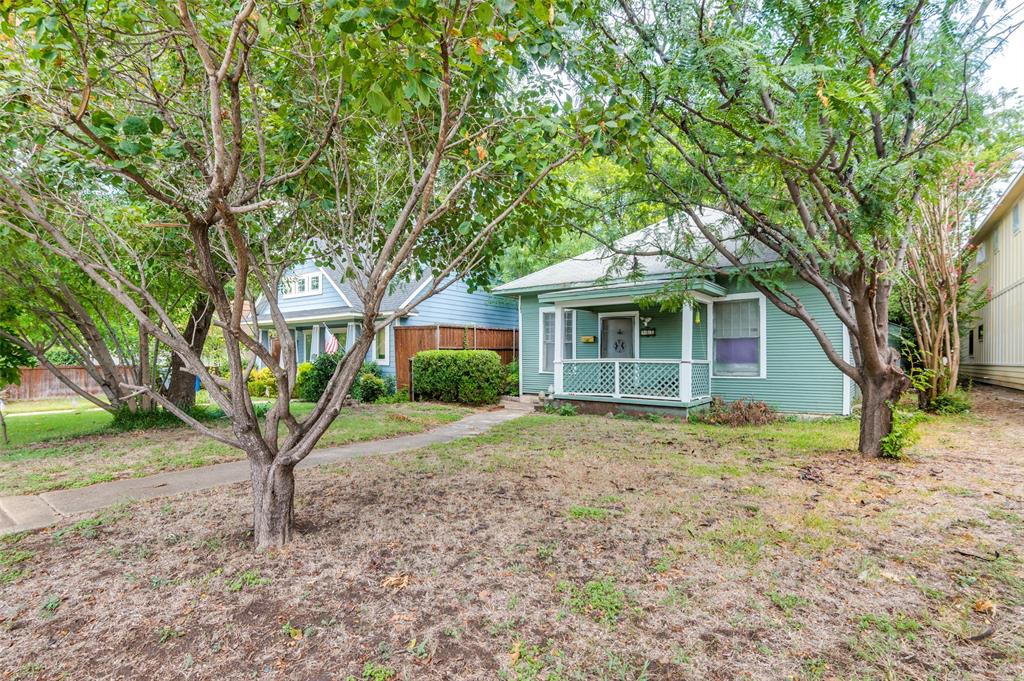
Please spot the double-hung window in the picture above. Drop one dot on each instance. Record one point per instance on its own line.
(547, 341)
(1015, 218)
(738, 338)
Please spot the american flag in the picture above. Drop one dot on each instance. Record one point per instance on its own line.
(331, 346)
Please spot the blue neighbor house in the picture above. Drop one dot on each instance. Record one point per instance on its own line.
(318, 304)
(586, 336)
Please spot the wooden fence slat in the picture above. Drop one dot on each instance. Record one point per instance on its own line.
(412, 339)
(37, 383)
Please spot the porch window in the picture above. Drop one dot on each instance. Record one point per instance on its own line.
(737, 338)
(380, 346)
(547, 341)
(568, 334)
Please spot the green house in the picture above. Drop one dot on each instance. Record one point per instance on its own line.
(590, 334)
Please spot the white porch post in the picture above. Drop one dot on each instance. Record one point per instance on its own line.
(317, 345)
(686, 366)
(559, 332)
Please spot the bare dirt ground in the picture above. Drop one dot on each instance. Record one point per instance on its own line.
(561, 548)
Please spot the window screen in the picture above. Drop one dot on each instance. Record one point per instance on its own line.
(737, 338)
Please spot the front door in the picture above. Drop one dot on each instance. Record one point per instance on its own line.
(617, 338)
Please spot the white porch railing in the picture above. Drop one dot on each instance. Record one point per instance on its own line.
(654, 379)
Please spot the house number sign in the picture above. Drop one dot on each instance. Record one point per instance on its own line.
(648, 332)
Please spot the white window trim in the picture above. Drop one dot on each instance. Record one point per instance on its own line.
(540, 339)
(635, 314)
(305, 277)
(980, 258)
(387, 347)
(575, 333)
(763, 349)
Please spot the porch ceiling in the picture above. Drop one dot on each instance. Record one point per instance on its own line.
(629, 290)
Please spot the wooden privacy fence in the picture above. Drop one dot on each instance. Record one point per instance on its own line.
(412, 339)
(38, 383)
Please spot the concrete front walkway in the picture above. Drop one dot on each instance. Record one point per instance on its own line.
(37, 511)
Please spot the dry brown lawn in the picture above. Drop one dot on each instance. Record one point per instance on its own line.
(561, 548)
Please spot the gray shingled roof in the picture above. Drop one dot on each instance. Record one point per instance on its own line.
(677, 235)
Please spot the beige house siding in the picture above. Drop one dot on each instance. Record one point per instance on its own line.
(998, 356)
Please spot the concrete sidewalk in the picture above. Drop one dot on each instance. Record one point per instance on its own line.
(36, 511)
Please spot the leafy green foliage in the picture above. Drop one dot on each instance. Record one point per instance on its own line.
(947, 404)
(302, 373)
(467, 376)
(316, 379)
(903, 434)
(262, 383)
(371, 388)
(12, 357)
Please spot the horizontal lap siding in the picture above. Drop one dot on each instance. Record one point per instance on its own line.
(1004, 375)
(529, 333)
(457, 306)
(800, 378)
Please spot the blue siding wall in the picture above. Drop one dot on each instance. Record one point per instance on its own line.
(457, 306)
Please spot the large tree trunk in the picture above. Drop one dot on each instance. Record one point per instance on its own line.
(273, 489)
(181, 389)
(878, 393)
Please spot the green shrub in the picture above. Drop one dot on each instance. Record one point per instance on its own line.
(397, 397)
(316, 378)
(958, 402)
(262, 383)
(466, 376)
(904, 432)
(371, 388)
(301, 376)
(511, 379)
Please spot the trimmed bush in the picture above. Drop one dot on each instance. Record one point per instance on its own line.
(467, 376)
(315, 380)
(301, 376)
(262, 383)
(371, 388)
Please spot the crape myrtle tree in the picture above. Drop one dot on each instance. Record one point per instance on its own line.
(811, 124)
(394, 136)
(938, 292)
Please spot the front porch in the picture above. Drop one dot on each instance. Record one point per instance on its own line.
(608, 350)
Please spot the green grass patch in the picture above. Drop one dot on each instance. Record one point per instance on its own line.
(587, 513)
(77, 449)
(600, 599)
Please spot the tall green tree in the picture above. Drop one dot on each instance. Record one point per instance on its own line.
(812, 125)
(386, 137)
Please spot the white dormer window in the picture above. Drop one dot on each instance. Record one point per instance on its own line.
(299, 285)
